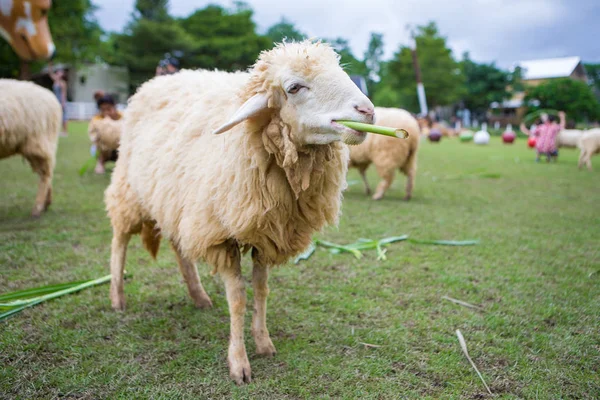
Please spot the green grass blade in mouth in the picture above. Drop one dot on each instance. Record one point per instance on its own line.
(380, 130)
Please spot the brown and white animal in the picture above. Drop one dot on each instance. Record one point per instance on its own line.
(30, 119)
(221, 163)
(589, 144)
(389, 154)
(24, 25)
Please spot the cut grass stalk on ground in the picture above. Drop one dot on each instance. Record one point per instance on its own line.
(533, 272)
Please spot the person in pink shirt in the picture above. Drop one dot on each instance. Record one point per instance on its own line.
(546, 134)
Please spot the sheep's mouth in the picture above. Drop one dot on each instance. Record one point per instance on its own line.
(349, 136)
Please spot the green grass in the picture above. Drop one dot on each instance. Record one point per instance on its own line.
(536, 273)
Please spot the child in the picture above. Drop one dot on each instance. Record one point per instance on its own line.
(546, 133)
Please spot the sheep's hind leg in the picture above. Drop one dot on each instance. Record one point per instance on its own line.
(190, 275)
(117, 267)
(387, 177)
(363, 175)
(226, 258)
(43, 199)
(260, 276)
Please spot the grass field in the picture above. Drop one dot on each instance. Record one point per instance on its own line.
(536, 273)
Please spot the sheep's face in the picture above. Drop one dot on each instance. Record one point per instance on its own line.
(311, 105)
(305, 84)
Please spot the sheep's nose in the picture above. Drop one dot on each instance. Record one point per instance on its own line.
(365, 110)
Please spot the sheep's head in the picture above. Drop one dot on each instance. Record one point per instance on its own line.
(304, 85)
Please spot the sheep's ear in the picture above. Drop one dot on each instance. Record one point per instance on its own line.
(250, 108)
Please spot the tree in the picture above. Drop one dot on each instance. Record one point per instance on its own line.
(442, 77)
(593, 72)
(484, 83)
(152, 10)
(351, 64)
(372, 60)
(144, 44)
(574, 97)
(284, 29)
(223, 39)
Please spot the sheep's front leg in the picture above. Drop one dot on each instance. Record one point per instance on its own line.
(117, 269)
(260, 276)
(227, 259)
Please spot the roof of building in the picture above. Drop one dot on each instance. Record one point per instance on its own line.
(549, 68)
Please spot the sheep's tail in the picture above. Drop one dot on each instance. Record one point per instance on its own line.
(151, 238)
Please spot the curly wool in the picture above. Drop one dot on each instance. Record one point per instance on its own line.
(252, 184)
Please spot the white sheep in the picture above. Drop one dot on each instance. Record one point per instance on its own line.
(30, 120)
(568, 138)
(589, 144)
(105, 133)
(387, 153)
(268, 184)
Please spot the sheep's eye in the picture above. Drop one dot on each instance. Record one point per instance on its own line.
(44, 13)
(294, 88)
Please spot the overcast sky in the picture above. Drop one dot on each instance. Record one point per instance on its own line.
(504, 31)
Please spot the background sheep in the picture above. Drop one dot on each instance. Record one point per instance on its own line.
(268, 184)
(589, 144)
(387, 153)
(30, 119)
(568, 138)
(106, 134)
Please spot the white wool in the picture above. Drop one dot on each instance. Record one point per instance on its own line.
(30, 118)
(568, 138)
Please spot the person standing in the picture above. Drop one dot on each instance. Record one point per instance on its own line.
(546, 134)
(59, 87)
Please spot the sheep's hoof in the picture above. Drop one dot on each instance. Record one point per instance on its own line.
(203, 303)
(239, 370)
(37, 212)
(266, 349)
(117, 300)
(118, 305)
(407, 197)
(378, 196)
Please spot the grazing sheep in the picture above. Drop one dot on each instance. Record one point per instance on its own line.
(387, 153)
(589, 144)
(270, 181)
(30, 119)
(105, 133)
(568, 138)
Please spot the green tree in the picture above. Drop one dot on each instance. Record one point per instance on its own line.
(484, 83)
(593, 72)
(284, 29)
(441, 74)
(152, 10)
(574, 97)
(144, 43)
(351, 64)
(372, 60)
(223, 39)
